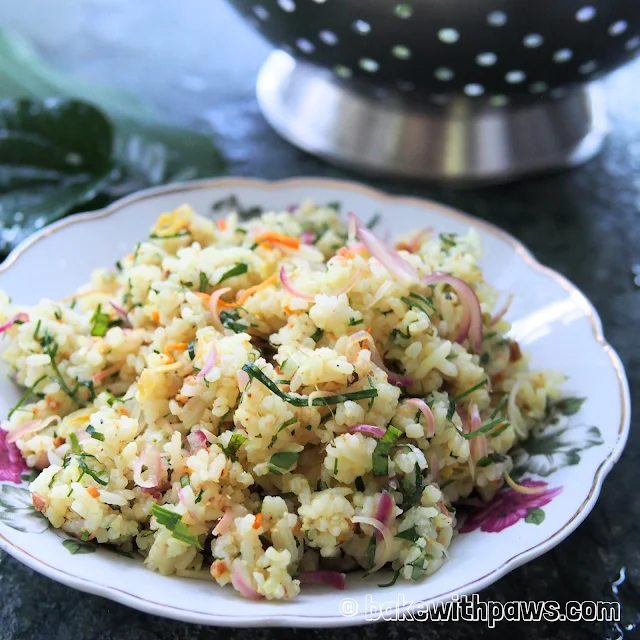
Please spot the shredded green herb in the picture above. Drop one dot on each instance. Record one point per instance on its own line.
(490, 459)
(485, 428)
(409, 534)
(235, 442)
(57, 313)
(393, 579)
(192, 350)
(101, 476)
(204, 281)
(284, 425)
(316, 336)
(411, 490)
(25, 396)
(383, 449)
(396, 332)
(448, 240)
(238, 270)
(497, 432)
(37, 331)
(466, 392)
(374, 221)
(452, 409)
(51, 349)
(500, 406)
(229, 320)
(335, 466)
(173, 522)
(428, 301)
(283, 461)
(303, 401)
(178, 234)
(371, 553)
(353, 322)
(199, 498)
(135, 253)
(96, 435)
(184, 480)
(99, 322)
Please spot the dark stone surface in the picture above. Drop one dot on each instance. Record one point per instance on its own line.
(196, 62)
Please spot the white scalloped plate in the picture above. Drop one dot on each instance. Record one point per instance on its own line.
(552, 320)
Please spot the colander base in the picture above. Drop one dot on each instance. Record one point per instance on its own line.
(464, 142)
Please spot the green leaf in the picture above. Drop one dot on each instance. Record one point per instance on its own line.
(238, 270)
(146, 149)
(381, 453)
(173, 521)
(409, 534)
(54, 156)
(77, 546)
(535, 515)
(283, 461)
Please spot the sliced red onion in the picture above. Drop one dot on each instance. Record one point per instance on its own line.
(210, 361)
(471, 322)
(19, 317)
(225, 523)
(105, 373)
(151, 458)
(156, 492)
(213, 307)
(386, 534)
(331, 578)
(196, 439)
(478, 447)
(500, 314)
(427, 413)
(391, 259)
(367, 429)
(241, 580)
(399, 380)
(416, 241)
(122, 313)
(306, 237)
(183, 500)
(33, 426)
(384, 511)
(243, 379)
(82, 435)
(296, 293)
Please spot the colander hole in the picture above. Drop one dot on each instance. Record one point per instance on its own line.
(515, 77)
(260, 12)
(562, 55)
(361, 27)
(444, 73)
(538, 87)
(287, 5)
(305, 45)
(448, 35)
(401, 52)
(588, 67)
(632, 43)
(532, 40)
(342, 72)
(328, 37)
(474, 89)
(368, 64)
(497, 18)
(618, 27)
(486, 59)
(406, 85)
(585, 14)
(403, 10)
(498, 101)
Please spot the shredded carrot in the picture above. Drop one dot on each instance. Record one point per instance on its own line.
(258, 521)
(345, 252)
(155, 316)
(222, 224)
(93, 492)
(370, 329)
(288, 309)
(205, 297)
(175, 346)
(520, 489)
(277, 238)
(243, 297)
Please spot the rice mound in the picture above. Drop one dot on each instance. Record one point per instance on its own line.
(140, 449)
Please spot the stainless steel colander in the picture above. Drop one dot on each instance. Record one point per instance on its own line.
(463, 90)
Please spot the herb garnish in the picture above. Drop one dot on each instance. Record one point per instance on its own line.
(235, 442)
(191, 350)
(99, 322)
(316, 336)
(96, 435)
(173, 521)
(373, 222)
(383, 449)
(490, 459)
(26, 395)
(353, 322)
(184, 480)
(303, 401)
(283, 461)
(409, 534)
(204, 281)
(238, 270)
(466, 392)
(178, 234)
(284, 425)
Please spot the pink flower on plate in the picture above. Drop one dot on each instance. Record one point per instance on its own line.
(11, 462)
(509, 507)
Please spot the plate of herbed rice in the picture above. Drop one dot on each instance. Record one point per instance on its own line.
(239, 402)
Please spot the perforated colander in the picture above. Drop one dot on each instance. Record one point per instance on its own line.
(498, 53)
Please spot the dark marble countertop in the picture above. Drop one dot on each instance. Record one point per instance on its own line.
(196, 61)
